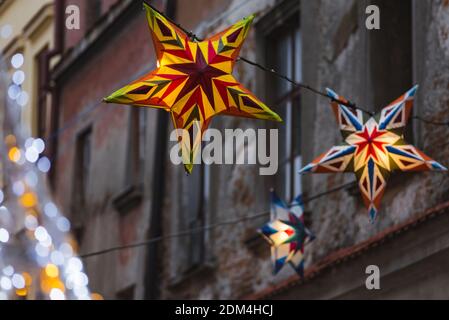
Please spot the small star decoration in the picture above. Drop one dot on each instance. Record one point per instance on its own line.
(287, 234)
(194, 80)
(374, 148)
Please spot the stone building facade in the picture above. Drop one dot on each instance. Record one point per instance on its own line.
(113, 174)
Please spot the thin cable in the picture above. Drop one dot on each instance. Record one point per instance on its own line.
(208, 227)
(194, 37)
(175, 235)
(436, 123)
(348, 104)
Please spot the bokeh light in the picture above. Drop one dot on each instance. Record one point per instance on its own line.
(6, 31)
(4, 235)
(18, 77)
(52, 271)
(22, 99)
(14, 91)
(14, 154)
(18, 281)
(44, 164)
(17, 60)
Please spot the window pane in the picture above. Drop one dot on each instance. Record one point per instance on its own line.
(285, 54)
(298, 55)
(142, 138)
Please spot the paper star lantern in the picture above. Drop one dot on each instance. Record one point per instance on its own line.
(373, 148)
(194, 80)
(287, 234)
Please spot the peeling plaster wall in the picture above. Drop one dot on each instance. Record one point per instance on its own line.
(407, 194)
(335, 56)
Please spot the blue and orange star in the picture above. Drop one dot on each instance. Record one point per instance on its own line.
(373, 148)
(287, 234)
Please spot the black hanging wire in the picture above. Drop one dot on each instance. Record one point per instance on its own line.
(348, 104)
(81, 116)
(209, 227)
(435, 123)
(194, 37)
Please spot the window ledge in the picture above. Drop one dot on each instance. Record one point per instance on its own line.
(256, 244)
(128, 199)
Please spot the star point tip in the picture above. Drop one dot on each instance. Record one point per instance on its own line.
(372, 215)
(188, 169)
(250, 18)
(109, 99)
(304, 170)
(331, 93)
(413, 90)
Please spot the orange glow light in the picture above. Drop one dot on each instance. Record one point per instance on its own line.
(10, 140)
(22, 292)
(52, 271)
(28, 279)
(96, 296)
(14, 154)
(28, 200)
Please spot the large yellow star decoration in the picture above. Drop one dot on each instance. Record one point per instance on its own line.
(373, 148)
(194, 80)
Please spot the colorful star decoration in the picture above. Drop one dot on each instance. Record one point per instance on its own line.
(373, 148)
(287, 234)
(194, 80)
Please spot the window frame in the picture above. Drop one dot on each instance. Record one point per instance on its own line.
(280, 19)
(81, 182)
(137, 129)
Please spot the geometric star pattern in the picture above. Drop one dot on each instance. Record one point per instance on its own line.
(193, 80)
(374, 148)
(287, 234)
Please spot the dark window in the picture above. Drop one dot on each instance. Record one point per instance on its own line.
(391, 63)
(82, 168)
(194, 212)
(137, 141)
(391, 52)
(93, 11)
(283, 53)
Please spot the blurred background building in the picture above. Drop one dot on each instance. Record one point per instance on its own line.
(30, 32)
(112, 173)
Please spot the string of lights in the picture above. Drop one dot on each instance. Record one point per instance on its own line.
(37, 254)
(208, 227)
